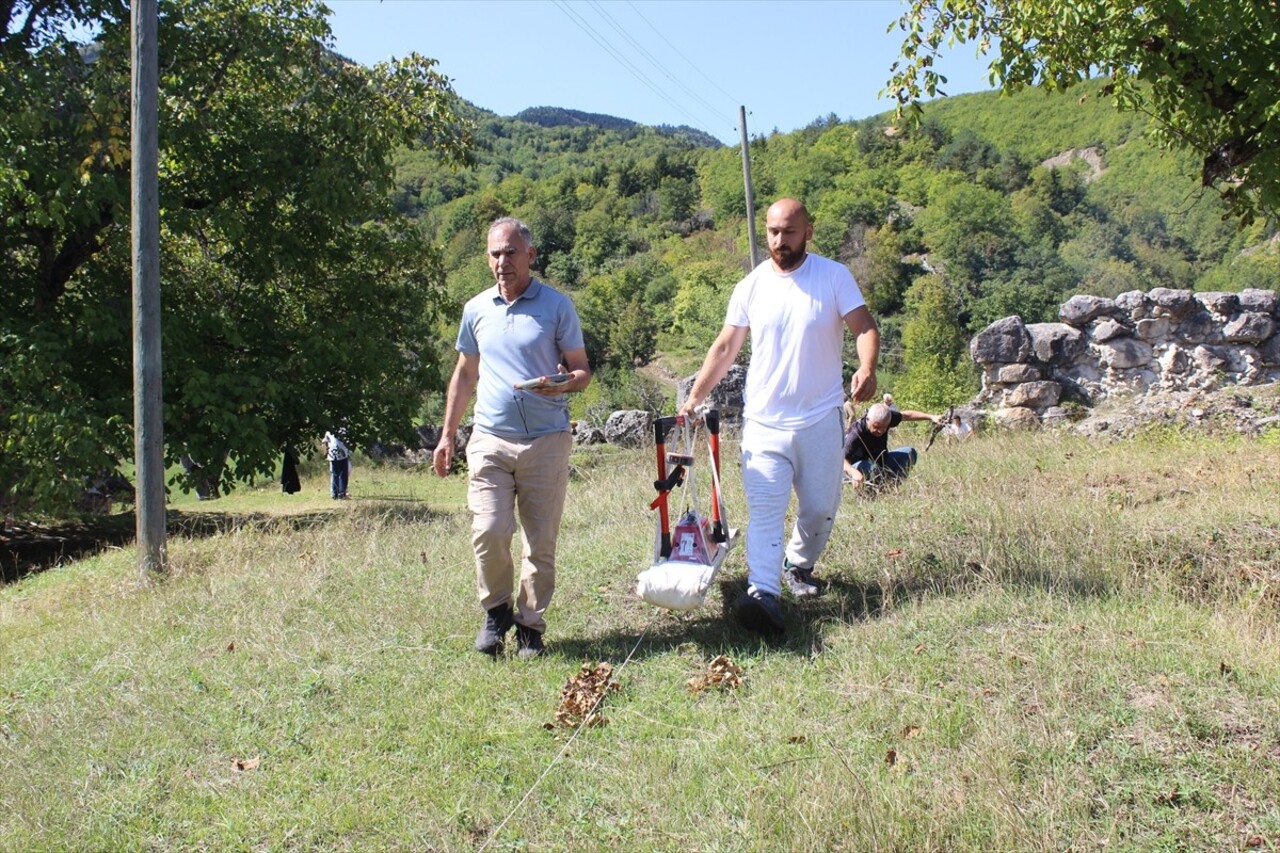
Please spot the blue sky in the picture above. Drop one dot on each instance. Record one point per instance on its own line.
(654, 61)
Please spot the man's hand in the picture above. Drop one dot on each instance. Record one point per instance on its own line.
(442, 458)
(862, 386)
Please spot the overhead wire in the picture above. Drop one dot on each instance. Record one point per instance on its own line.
(606, 44)
(643, 51)
(676, 50)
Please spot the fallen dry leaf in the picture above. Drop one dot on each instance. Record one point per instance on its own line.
(918, 649)
(798, 739)
(896, 552)
(243, 764)
(891, 757)
(582, 695)
(722, 673)
(909, 732)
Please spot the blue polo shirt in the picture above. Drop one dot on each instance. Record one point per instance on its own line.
(518, 341)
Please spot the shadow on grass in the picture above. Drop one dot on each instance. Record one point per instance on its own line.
(845, 602)
(29, 548)
(717, 632)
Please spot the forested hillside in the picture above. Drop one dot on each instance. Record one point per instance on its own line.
(322, 223)
(992, 206)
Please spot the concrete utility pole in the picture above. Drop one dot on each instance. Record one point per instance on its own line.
(148, 424)
(746, 183)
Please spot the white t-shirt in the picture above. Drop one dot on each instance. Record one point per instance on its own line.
(797, 337)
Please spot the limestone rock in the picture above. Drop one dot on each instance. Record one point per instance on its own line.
(727, 396)
(1224, 304)
(1003, 342)
(583, 434)
(1152, 329)
(1034, 395)
(1016, 417)
(1200, 326)
(1124, 353)
(1079, 311)
(1110, 328)
(1270, 352)
(1056, 343)
(1170, 302)
(1260, 301)
(1012, 374)
(1135, 304)
(629, 428)
(1249, 327)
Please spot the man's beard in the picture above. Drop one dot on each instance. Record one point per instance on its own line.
(786, 258)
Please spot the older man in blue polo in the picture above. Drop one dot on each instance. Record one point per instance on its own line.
(520, 351)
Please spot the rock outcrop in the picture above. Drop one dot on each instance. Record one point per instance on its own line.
(727, 396)
(1160, 341)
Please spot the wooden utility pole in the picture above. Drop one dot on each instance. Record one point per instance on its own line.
(746, 183)
(148, 424)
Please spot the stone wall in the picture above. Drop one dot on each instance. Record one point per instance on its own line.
(1162, 340)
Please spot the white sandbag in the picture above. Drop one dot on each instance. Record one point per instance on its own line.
(675, 585)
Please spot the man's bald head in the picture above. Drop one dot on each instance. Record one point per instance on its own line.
(789, 230)
(789, 209)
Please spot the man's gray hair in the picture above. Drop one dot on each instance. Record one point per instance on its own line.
(879, 413)
(525, 233)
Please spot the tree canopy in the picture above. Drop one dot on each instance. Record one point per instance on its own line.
(294, 300)
(1207, 74)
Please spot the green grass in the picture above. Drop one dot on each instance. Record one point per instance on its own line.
(1035, 643)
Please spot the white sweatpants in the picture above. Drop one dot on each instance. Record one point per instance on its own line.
(774, 461)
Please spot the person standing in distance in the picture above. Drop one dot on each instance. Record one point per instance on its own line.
(339, 457)
(518, 454)
(795, 307)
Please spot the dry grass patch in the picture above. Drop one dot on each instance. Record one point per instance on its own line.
(1034, 643)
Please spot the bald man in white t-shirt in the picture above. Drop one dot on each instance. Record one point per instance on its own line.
(795, 307)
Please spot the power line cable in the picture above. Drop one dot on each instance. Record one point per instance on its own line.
(604, 43)
(640, 48)
(622, 60)
(689, 62)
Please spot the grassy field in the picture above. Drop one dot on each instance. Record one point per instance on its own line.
(1036, 643)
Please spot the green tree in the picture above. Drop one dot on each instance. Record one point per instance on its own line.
(619, 319)
(280, 251)
(939, 372)
(632, 335)
(700, 302)
(971, 230)
(881, 272)
(1206, 73)
(676, 199)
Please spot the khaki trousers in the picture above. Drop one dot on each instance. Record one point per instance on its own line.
(529, 476)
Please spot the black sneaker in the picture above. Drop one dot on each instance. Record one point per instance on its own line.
(799, 582)
(497, 623)
(528, 642)
(760, 612)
